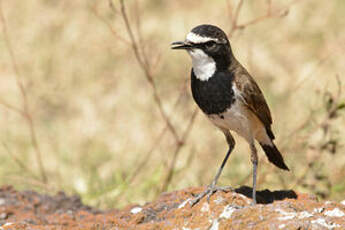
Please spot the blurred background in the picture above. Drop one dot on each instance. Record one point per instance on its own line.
(94, 102)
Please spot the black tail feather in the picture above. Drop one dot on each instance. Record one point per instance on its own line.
(270, 133)
(274, 156)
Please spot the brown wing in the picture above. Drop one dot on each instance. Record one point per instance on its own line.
(254, 99)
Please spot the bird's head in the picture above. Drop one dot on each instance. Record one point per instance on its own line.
(205, 42)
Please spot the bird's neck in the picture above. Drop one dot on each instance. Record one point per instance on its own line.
(225, 61)
(233, 64)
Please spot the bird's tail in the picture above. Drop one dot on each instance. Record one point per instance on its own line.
(274, 156)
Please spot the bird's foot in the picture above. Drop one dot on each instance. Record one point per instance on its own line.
(209, 191)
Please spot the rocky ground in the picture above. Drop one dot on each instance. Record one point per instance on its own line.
(232, 210)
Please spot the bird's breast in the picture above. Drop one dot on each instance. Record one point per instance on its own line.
(214, 95)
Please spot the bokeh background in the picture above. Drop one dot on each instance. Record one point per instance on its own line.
(94, 102)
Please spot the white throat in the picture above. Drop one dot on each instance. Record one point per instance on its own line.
(203, 65)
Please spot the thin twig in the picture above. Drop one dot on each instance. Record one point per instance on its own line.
(268, 14)
(234, 19)
(21, 164)
(339, 86)
(147, 71)
(110, 27)
(141, 43)
(171, 167)
(32, 182)
(11, 107)
(112, 7)
(156, 144)
(26, 111)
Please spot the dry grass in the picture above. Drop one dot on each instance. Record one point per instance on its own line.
(93, 100)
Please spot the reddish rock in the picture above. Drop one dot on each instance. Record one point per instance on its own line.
(232, 210)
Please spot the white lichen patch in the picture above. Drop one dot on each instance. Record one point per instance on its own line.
(136, 210)
(323, 223)
(227, 212)
(183, 203)
(5, 225)
(286, 215)
(281, 226)
(318, 210)
(304, 214)
(289, 217)
(205, 207)
(183, 228)
(215, 225)
(219, 200)
(335, 213)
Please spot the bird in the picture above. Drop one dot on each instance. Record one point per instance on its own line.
(230, 98)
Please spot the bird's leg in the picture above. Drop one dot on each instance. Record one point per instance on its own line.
(212, 188)
(254, 159)
(231, 143)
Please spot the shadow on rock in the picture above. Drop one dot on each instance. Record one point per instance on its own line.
(266, 196)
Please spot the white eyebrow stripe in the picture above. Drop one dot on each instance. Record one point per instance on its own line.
(195, 38)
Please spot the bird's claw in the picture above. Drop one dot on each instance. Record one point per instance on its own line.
(209, 191)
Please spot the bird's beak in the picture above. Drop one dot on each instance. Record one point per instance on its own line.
(181, 45)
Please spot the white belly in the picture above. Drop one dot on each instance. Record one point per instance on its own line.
(235, 119)
(242, 121)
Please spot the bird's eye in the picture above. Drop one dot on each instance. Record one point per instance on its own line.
(210, 44)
